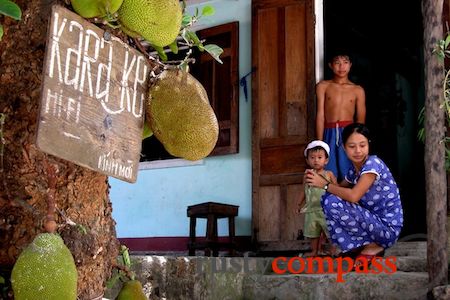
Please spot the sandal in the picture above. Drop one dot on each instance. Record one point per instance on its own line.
(352, 253)
(359, 260)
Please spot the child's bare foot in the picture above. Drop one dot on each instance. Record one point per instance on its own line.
(334, 251)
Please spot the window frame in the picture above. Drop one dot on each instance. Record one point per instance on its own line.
(229, 127)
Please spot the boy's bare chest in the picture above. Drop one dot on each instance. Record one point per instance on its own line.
(340, 93)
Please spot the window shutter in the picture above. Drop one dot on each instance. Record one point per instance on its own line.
(221, 82)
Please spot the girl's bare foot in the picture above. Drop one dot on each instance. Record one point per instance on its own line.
(372, 249)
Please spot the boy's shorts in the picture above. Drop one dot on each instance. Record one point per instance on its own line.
(338, 162)
(315, 224)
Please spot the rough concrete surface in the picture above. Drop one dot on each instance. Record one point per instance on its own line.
(216, 278)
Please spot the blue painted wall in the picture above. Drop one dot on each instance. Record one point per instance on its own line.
(155, 206)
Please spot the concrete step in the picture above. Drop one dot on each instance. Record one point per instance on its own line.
(416, 248)
(408, 249)
(411, 264)
(408, 256)
(216, 278)
(399, 285)
(301, 265)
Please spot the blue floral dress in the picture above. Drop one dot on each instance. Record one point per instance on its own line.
(377, 217)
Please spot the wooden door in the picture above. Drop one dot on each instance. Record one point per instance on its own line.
(282, 116)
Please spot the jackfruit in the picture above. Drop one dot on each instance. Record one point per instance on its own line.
(131, 290)
(45, 270)
(181, 117)
(157, 21)
(95, 8)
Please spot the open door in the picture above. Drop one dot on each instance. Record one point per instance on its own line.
(283, 117)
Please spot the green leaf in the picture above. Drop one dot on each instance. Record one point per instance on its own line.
(161, 52)
(447, 41)
(125, 256)
(174, 47)
(187, 19)
(124, 277)
(183, 34)
(193, 37)
(120, 260)
(147, 131)
(208, 10)
(421, 117)
(112, 281)
(421, 121)
(2, 280)
(1, 32)
(10, 9)
(447, 159)
(184, 66)
(214, 51)
(421, 135)
(81, 229)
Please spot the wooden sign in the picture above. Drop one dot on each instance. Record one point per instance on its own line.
(92, 100)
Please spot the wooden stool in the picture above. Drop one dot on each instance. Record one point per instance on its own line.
(211, 211)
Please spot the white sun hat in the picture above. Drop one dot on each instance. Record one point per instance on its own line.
(317, 143)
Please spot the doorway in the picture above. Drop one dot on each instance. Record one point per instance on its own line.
(385, 41)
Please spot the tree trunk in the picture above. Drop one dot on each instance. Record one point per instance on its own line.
(435, 175)
(81, 195)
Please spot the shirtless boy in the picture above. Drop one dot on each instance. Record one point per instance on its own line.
(339, 103)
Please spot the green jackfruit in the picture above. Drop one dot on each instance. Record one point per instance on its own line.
(181, 117)
(131, 290)
(95, 8)
(45, 270)
(157, 21)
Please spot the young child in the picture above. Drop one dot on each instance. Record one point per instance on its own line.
(316, 153)
(339, 103)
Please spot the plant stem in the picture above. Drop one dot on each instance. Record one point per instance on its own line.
(50, 223)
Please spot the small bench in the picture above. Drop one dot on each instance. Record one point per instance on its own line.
(211, 211)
